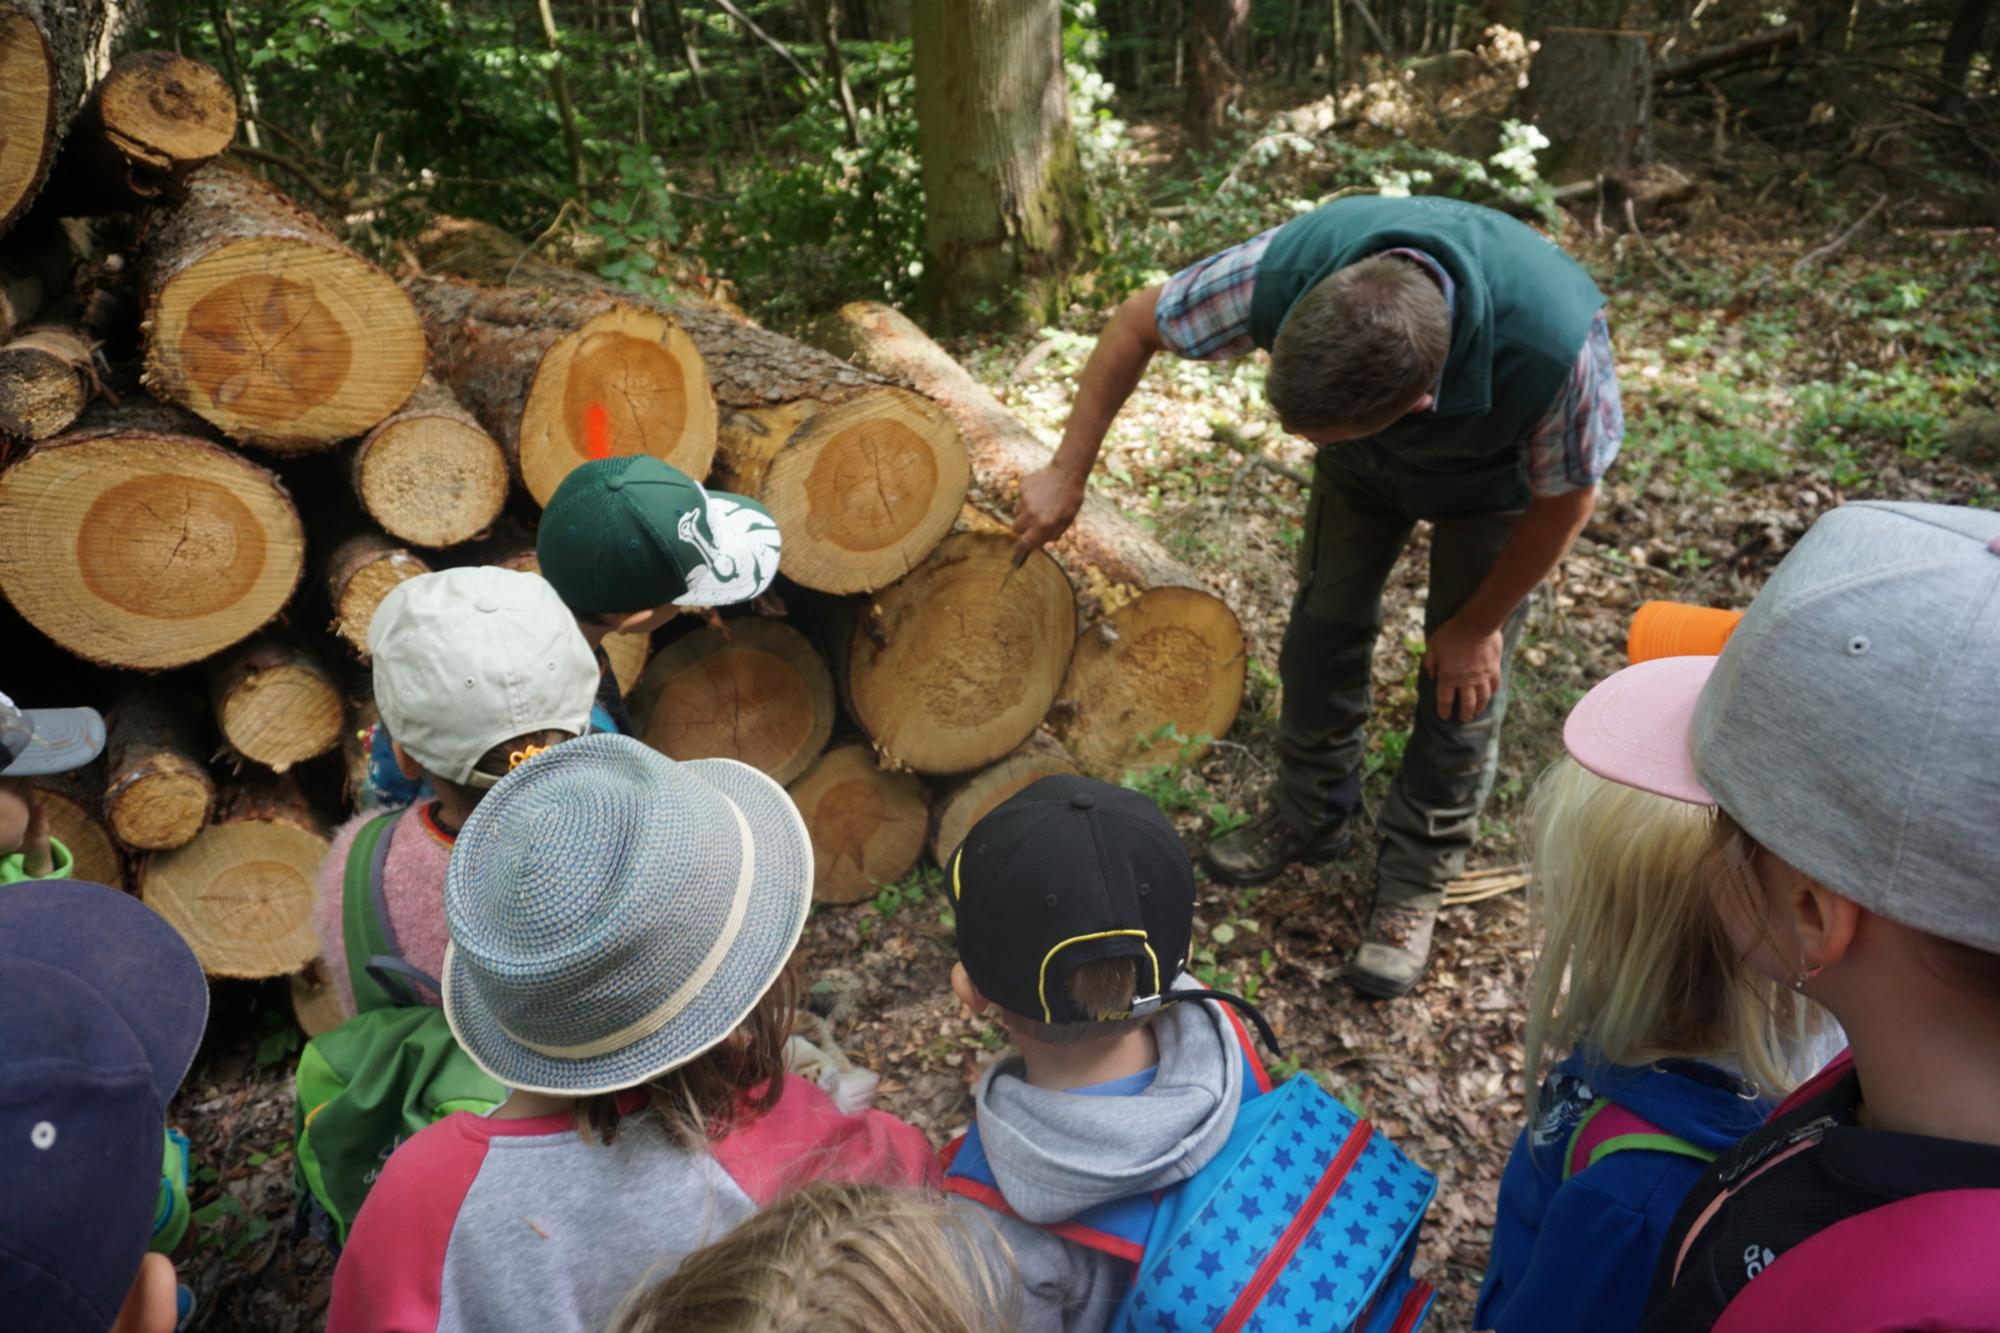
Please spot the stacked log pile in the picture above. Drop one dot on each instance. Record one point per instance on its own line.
(195, 537)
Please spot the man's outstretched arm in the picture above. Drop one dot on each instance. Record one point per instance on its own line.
(1050, 496)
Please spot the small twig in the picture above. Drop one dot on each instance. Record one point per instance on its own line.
(1833, 246)
(547, 232)
(785, 51)
(1036, 355)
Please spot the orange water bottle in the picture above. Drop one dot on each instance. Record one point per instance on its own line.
(1676, 629)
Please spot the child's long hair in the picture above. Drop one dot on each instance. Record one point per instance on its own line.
(837, 1259)
(1635, 962)
(737, 1080)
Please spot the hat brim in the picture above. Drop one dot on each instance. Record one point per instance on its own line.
(747, 548)
(780, 891)
(124, 951)
(63, 739)
(1634, 728)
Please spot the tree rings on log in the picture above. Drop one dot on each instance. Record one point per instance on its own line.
(955, 665)
(867, 824)
(157, 793)
(76, 821)
(275, 704)
(970, 801)
(359, 574)
(260, 321)
(241, 894)
(863, 490)
(430, 474)
(132, 545)
(1171, 656)
(750, 689)
(47, 377)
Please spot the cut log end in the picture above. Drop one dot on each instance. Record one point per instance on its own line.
(46, 379)
(625, 382)
(316, 1000)
(753, 690)
(164, 111)
(867, 825)
(142, 549)
(160, 809)
(360, 573)
(275, 704)
(955, 665)
(76, 821)
(979, 795)
(27, 111)
(431, 479)
(157, 792)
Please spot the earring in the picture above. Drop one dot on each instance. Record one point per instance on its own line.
(1805, 974)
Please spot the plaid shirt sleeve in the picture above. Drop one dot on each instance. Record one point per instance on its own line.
(1573, 446)
(1204, 310)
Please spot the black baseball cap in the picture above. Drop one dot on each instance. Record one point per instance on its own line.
(1066, 872)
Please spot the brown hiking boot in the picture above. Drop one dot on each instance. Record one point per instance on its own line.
(1392, 956)
(1258, 851)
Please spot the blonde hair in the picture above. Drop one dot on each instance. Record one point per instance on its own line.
(1636, 964)
(837, 1259)
(1360, 348)
(1101, 986)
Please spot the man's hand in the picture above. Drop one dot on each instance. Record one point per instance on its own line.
(1464, 660)
(36, 859)
(1049, 501)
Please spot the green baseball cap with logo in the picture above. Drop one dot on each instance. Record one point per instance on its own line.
(629, 533)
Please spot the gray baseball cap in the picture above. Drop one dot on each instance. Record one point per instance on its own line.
(1850, 724)
(38, 741)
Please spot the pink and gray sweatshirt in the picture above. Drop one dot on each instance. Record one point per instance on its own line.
(412, 884)
(488, 1225)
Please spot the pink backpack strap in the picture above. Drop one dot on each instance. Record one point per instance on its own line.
(1836, 1070)
(1608, 1128)
(1925, 1262)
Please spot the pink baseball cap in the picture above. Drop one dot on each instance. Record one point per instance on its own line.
(1634, 727)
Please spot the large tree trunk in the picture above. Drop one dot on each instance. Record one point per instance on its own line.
(132, 541)
(241, 894)
(1591, 91)
(1217, 37)
(262, 322)
(47, 377)
(867, 823)
(275, 703)
(157, 792)
(51, 53)
(76, 820)
(750, 689)
(154, 119)
(564, 379)
(1007, 211)
(863, 477)
(360, 570)
(430, 474)
(965, 803)
(1960, 44)
(1158, 648)
(956, 664)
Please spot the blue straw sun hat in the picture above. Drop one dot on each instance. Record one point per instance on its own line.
(614, 914)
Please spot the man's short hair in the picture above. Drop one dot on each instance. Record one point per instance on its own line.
(1360, 348)
(1103, 986)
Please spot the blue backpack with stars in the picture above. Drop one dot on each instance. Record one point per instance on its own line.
(1307, 1219)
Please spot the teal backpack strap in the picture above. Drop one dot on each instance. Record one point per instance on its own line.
(1608, 1128)
(364, 919)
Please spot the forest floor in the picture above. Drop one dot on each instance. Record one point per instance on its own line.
(1756, 399)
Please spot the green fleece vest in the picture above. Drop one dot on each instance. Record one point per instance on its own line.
(1523, 311)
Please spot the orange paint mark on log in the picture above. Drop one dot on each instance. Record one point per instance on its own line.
(596, 431)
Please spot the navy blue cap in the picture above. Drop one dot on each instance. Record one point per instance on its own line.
(102, 1007)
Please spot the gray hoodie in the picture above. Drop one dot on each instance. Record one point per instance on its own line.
(1055, 1154)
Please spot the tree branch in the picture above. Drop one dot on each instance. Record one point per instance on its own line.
(785, 51)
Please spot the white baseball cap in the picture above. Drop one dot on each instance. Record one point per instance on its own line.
(468, 658)
(37, 741)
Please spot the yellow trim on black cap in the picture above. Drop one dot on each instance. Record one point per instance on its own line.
(957, 860)
(1042, 980)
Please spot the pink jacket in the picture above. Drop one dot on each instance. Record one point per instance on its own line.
(413, 885)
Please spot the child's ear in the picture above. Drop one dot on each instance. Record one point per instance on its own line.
(967, 993)
(405, 765)
(1824, 921)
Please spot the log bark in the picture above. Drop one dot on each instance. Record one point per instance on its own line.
(1734, 53)
(965, 803)
(259, 320)
(241, 894)
(76, 820)
(1591, 92)
(627, 653)
(953, 666)
(1216, 38)
(157, 794)
(749, 689)
(863, 476)
(275, 703)
(51, 53)
(867, 823)
(134, 541)
(149, 123)
(360, 570)
(430, 474)
(564, 379)
(48, 375)
(1158, 648)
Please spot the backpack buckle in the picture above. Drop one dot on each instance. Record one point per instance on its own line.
(1145, 1004)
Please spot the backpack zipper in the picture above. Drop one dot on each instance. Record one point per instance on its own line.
(1296, 1230)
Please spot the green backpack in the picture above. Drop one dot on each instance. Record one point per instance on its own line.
(384, 1074)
